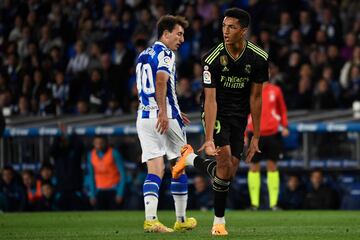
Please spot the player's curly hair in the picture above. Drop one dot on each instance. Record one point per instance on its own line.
(242, 15)
(168, 22)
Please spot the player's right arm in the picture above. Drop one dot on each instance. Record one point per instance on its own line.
(210, 111)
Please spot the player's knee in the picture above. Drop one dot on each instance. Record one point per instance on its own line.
(221, 185)
(224, 166)
(254, 167)
(271, 166)
(159, 171)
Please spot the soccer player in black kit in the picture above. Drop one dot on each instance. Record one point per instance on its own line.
(233, 74)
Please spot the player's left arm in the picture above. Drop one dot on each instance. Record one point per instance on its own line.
(260, 76)
(283, 112)
(255, 107)
(255, 110)
(166, 62)
(162, 124)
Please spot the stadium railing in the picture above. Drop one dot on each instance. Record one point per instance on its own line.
(310, 145)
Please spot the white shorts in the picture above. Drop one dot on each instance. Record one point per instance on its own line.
(153, 144)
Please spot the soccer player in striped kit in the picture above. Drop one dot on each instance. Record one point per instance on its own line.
(160, 123)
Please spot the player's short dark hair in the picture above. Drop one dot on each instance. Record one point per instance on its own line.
(242, 15)
(168, 22)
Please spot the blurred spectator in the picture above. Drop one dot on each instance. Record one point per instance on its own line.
(328, 75)
(79, 61)
(23, 108)
(303, 95)
(11, 191)
(39, 85)
(122, 56)
(26, 86)
(46, 104)
(323, 97)
(203, 8)
(306, 27)
(95, 91)
(352, 91)
(47, 201)
(46, 42)
(293, 195)
(2, 122)
(194, 41)
(266, 42)
(32, 188)
(67, 152)
(57, 60)
(202, 197)
(15, 33)
(137, 178)
(145, 26)
(184, 95)
(319, 195)
(47, 174)
(296, 42)
(285, 28)
(60, 91)
(5, 102)
(346, 69)
(113, 107)
(127, 24)
(107, 175)
(82, 107)
(275, 76)
(330, 25)
(94, 56)
(334, 60)
(292, 69)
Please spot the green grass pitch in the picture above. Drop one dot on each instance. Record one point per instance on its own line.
(266, 225)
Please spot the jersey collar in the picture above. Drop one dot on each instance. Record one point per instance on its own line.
(161, 43)
(246, 43)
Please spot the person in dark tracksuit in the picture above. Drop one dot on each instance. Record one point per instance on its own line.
(67, 151)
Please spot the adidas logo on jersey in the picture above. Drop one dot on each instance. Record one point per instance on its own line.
(225, 69)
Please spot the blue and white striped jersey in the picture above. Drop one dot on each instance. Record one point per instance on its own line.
(152, 60)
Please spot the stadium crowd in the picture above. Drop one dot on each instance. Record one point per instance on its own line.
(77, 57)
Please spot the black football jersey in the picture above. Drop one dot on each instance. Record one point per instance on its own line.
(232, 78)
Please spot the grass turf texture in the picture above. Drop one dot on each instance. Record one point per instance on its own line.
(242, 225)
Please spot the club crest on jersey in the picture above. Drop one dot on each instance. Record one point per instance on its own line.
(224, 60)
(248, 68)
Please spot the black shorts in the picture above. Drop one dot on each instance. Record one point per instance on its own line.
(271, 148)
(229, 131)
